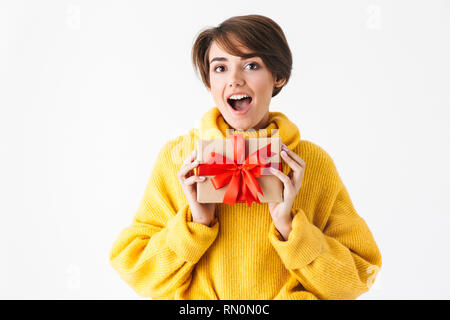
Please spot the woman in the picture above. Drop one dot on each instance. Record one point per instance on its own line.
(313, 245)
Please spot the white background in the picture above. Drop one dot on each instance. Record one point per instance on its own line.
(91, 90)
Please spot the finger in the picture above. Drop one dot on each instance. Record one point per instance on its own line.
(191, 157)
(290, 174)
(188, 160)
(193, 179)
(186, 168)
(297, 172)
(294, 156)
(295, 166)
(284, 178)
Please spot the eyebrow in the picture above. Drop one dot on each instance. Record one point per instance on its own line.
(245, 57)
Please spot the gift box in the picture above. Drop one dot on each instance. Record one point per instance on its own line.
(237, 170)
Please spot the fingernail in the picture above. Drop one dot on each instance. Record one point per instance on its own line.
(284, 147)
(283, 153)
(202, 178)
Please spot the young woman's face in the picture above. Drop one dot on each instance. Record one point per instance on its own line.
(230, 75)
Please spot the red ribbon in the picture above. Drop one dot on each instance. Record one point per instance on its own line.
(240, 175)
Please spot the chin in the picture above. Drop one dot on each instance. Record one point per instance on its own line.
(243, 123)
(240, 125)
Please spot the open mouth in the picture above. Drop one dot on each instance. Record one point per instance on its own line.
(240, 104)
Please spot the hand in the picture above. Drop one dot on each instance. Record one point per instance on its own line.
(281, 211)
(203, 213)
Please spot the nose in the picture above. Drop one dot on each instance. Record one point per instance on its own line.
(236, 79)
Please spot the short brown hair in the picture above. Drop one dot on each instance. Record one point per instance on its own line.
(260, 34)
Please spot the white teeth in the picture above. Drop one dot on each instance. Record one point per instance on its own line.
(239, 96)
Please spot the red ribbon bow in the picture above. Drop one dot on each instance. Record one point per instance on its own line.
(239, 175)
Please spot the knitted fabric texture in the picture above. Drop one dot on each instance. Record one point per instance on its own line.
(330, 252)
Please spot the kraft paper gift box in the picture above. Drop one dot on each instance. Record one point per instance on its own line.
(237, 170)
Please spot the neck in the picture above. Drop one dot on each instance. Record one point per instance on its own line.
(263, 123)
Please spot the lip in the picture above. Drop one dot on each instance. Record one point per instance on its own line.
(240, 112)
(240, 92)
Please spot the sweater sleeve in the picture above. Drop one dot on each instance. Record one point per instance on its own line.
(336, 263)
(157, 253)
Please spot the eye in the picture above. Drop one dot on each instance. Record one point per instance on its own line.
(256, 66)
(215, 69)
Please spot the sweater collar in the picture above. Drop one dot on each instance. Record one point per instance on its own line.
(214, 126)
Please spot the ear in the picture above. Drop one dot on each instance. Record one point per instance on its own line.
(279, 82)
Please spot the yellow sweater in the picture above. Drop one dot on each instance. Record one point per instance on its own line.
(330, 252)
